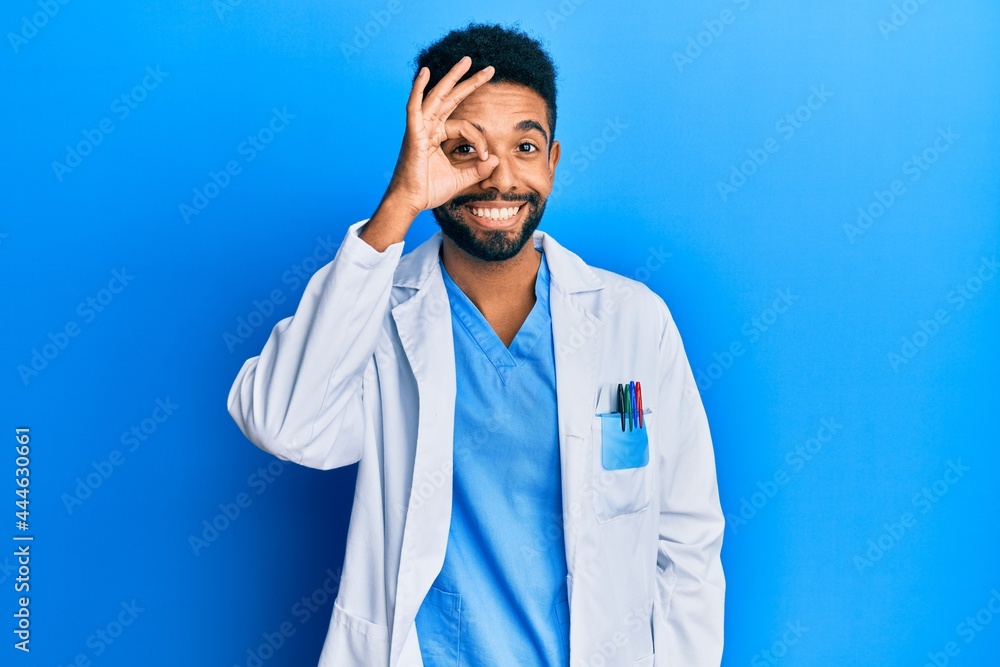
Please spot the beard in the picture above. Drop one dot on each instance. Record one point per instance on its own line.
(492, 245)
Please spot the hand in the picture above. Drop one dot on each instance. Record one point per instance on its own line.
(424, 176)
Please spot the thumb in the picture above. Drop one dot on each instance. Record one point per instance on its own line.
(477, 172)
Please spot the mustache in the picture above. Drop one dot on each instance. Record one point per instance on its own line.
(462, 200)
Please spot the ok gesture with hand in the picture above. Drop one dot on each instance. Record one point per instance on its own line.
(424, 176)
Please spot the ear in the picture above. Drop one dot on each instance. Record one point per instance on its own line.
(554, 153)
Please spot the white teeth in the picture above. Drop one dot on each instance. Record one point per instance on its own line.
(496, 213)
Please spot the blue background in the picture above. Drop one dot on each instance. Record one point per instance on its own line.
(834, 560)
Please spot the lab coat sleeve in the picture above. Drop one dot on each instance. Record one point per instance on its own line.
(301, 399)
(690, 589)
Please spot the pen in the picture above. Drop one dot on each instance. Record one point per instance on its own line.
(621, 403)
(638, 398)
(629, 406)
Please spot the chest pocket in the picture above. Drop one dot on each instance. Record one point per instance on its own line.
(621, 479)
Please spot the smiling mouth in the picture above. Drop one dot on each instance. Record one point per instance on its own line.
(502, 216)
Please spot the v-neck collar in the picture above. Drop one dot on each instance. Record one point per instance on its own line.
(504, 359)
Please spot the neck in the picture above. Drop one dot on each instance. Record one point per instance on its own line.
(487, 284)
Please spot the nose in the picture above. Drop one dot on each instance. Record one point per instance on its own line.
(502, 178)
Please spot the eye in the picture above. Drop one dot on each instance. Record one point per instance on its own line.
(530, 145)
(458, 149)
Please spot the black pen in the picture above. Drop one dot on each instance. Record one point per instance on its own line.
(621, 403)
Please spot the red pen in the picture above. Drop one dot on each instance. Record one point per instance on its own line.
(638, 399)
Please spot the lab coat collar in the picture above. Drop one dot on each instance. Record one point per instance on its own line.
(570, 273)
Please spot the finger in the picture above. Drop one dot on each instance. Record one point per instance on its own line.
(416, 98)
(439, 92)
(463, 128)
(463, 90)
(477, 172)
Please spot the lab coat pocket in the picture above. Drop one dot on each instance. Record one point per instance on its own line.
(358, 625)
(439, 623)
(621, 449)
(621, 470)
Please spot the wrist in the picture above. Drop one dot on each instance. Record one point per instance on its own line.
(389, 223)
(398, 206)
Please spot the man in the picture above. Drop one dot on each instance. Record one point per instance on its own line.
(504, 513)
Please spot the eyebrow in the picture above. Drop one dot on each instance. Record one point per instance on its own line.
(523, 126)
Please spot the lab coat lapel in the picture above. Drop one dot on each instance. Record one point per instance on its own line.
(576, 331)
(425, 332)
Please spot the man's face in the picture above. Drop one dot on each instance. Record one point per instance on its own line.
(513, 120)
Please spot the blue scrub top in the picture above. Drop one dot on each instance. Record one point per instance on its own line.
(500, 598)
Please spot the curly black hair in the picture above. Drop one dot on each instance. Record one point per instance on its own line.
(516, 57)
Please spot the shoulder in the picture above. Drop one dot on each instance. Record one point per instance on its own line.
(604, 292)
(633, 297)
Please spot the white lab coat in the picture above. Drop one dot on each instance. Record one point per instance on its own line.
(364, 371)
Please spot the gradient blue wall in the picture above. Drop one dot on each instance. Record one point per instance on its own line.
(812, 187)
